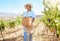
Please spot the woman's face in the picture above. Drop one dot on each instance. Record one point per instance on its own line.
(28, 8)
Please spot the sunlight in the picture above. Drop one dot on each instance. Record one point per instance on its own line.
(53, 2)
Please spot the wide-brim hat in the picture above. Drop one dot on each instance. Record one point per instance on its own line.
(28, 5)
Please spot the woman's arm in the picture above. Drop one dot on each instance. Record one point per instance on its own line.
(33, 19)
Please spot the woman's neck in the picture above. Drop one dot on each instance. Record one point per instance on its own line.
(28, 10)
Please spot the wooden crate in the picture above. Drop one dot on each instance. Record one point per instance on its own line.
(27, 21)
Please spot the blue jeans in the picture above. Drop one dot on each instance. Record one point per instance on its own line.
(26, 36)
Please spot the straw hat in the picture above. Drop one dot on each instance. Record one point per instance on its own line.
(30, 5)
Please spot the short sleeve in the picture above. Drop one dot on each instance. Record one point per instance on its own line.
(33, 15)
(24, 14)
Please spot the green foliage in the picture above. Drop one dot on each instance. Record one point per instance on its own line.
(51, 17)
(2, 25)
(11, 24)
(18, 20)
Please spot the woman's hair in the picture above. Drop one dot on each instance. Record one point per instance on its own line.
(30, 5)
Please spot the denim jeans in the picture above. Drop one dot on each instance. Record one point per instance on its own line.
(26, 38)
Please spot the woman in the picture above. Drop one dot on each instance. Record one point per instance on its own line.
(28, 13)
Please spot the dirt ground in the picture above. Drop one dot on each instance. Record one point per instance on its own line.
(40, 33)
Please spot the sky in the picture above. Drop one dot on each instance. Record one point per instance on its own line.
(17, 6)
